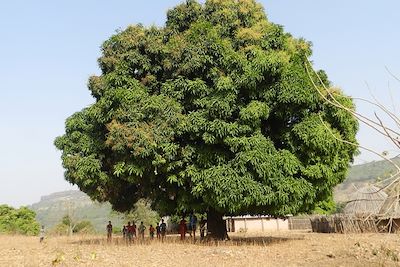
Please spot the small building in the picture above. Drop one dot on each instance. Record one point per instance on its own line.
(261, 223)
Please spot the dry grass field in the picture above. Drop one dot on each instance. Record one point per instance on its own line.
(273, 249)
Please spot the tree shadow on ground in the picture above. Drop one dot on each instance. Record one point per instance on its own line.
(261, 240)
(174, 239)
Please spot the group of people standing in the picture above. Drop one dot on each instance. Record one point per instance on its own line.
(130, 232)
(184, 227)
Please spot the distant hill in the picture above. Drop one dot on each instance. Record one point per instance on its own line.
(50, 209)
(360, 175)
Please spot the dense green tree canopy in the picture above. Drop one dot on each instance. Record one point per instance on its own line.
(213, 110)
(18, 221)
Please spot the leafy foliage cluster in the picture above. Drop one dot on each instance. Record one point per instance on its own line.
(215, 109)
(68, 226)
(142, 212)
(18, 221)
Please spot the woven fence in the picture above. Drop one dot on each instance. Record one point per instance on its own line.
(343, 224)
(299, 223)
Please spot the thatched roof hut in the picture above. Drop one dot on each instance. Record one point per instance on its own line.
(365, 201)
(390, 208)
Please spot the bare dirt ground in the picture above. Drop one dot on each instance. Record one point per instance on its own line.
(266, 249)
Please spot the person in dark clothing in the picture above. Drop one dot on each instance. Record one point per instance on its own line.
(193, 226)
(163, 229)
(202, 227)
(124, 232)
(109, 229)
(158, 230)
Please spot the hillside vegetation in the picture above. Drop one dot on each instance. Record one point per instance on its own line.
(361, 175)
(80, 210)
(52, 208)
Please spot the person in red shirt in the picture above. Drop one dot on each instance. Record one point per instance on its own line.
(152, 230)
(183, 228)
(130, 232)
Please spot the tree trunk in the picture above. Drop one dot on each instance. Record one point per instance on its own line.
(216, 226)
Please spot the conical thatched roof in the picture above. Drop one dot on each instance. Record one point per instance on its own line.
(391, 206)
(365, 201)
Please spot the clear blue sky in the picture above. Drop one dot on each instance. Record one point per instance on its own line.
(48, 49)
